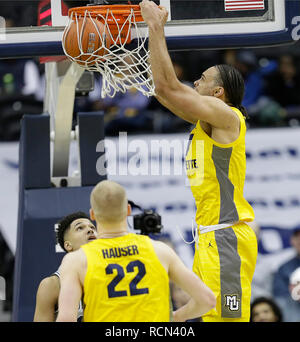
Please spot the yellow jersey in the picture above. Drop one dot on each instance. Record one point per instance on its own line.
(216, 174)
(125, 281)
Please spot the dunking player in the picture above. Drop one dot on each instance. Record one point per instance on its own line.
(226, 253)
(73, 231)
(124, 276)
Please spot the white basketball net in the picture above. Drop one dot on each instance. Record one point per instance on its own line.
(121, 68)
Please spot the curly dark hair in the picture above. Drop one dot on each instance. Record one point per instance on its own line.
(273, 305)
(64, 224)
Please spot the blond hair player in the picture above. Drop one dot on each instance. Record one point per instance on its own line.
(124, 277)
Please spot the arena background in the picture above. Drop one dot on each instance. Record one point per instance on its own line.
(272, 187)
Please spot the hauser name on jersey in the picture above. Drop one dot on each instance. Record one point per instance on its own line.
(117, 252)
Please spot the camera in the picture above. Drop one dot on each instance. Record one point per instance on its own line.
(149, 222)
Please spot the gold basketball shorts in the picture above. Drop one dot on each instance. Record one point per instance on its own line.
(225, 261)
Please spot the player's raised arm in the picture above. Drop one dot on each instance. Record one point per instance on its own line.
(181, 99)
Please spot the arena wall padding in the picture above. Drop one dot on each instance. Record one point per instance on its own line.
(34, 156)
(91, 131)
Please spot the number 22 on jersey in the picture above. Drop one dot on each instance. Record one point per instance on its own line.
(121, 272)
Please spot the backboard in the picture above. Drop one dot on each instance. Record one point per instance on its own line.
(35, 27)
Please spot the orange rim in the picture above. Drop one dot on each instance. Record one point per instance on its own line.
(120, 12)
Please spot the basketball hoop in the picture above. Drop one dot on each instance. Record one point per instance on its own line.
(98, 37)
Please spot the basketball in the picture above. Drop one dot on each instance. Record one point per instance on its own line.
(85, 40)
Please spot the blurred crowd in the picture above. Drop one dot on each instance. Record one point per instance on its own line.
(271, 96)
(272, 78)
(276, 288)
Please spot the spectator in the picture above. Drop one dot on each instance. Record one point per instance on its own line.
(283, 86)
(18, 76)
(22, 14)
(246, 62)
(262, 110)
(19, 86)
(264, 309)
(128, 112)
(281, 284)
(294, 285)
(164, 120)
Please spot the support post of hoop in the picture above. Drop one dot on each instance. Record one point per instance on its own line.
(61, 80)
